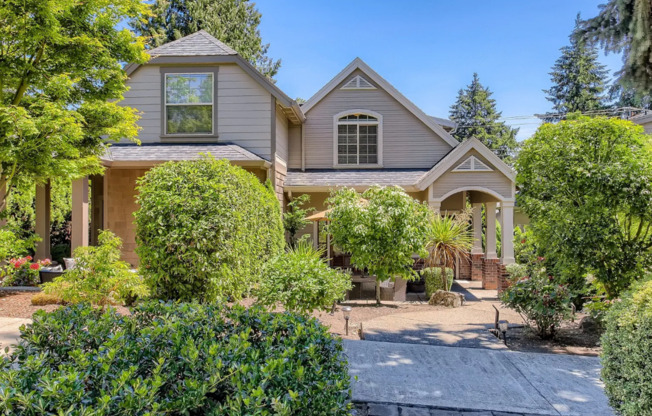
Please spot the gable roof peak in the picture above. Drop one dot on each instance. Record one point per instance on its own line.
(195, 44)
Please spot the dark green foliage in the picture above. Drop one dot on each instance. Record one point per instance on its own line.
(294, 219)
(180, 359)
(234, 22)
(624, 27)
(476, 116)
(433, 280)
(204, 229)
(586, 185)
(541, 299)
(301, 281)
(627, 352)
(578, 80)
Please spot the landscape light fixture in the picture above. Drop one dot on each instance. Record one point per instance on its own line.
(504, 326)
(346, 310)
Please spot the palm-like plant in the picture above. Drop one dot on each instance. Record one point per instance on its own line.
(449, 239)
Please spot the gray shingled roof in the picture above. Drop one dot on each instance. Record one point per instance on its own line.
(355, 177)
(199, 43)
(165, 152)
(444, 122)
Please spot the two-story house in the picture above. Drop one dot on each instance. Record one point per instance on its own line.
(197, 95)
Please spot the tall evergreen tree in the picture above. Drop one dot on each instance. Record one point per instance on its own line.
(234, 22)
(579, 80)
(476, 116)
(625, 26)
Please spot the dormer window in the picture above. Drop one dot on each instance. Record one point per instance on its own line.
(358, 139)
(188, 104)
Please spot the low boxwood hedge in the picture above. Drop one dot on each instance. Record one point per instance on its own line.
(177, 359)
(627, 352)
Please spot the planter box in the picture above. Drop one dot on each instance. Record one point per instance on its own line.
(48, 276)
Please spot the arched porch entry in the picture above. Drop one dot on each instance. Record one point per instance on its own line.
(484, 263)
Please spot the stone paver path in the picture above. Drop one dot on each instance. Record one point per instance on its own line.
(10, 331)
(475, 379)
(467, 326)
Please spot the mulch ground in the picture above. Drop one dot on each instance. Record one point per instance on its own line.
(570, 339)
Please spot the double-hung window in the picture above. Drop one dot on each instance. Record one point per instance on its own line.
(358, 139)
(189, 104)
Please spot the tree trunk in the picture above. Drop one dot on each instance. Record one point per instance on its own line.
(377, 292)
(444, 278)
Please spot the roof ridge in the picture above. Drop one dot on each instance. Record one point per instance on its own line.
(217, 42)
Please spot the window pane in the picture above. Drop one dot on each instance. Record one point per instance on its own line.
(189, 119)
(363, 158)
(341, 159)
(353, 159)
(372, 159)
(189, 88)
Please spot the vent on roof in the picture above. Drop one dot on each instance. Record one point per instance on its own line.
(472, 164)
(358, 83)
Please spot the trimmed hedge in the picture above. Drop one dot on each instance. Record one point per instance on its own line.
(167, 358)
(204, 229)
(433, 280)
(627, 352)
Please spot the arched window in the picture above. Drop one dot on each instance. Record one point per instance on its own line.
(358, 138)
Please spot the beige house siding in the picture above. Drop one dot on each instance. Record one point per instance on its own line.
(294, 144)
(282, 132)
(243, 108)
(407, 142)
(495, 180)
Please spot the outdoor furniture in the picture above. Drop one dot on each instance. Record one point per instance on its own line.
(47, 274)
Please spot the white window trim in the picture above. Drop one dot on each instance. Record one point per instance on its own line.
(473, 166)
(165, 104)
(357, 86)
(379, 143)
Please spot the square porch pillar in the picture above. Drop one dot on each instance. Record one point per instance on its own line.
(477, 229)
(490, 214)
(507, 238)
(42, 212)
(80, 233)
(435, 206)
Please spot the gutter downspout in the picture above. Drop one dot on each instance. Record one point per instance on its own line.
(303, 148)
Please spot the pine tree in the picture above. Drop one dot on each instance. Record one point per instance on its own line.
(234, 22)
(476, 116)
(579, 80)
(624, 26)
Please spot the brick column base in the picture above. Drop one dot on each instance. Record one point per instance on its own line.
(476, 266)
(490, 273)
(465, 268)
(503, 280)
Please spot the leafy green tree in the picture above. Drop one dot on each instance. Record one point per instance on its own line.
(61, 78)
(628, 97)
(381, 231)
(476, 116)
(579, 80)
(234, 22)
(586, 185)
(294, 220)
(624, 26)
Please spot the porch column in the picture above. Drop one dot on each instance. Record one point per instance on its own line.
(42, 212)
(435, 206)
(477, 229)
(507, 238)
(79, 236)
(491, 230)
(315, 234)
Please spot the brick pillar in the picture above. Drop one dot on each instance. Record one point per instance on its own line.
(491, 269)
(503, 279)
(476, 266)
(465, 268)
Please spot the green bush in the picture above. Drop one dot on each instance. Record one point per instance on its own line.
(11, 246)
(627, 352)
(433, 280)
(301, 281)
(204, 229)
(542, 301)
(516, 271)
(99, 276)
(177, 359)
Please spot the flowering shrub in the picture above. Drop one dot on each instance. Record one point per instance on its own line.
(542, 301)
(23, 272)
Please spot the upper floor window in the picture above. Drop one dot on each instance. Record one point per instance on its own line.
(358, 139)
(189, 103)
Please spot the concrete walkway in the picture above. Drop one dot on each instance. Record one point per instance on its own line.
(476, 379)
(10, 331)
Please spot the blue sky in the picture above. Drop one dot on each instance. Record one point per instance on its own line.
(428, 49)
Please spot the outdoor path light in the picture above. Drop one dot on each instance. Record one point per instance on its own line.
(504, 326)
(346, 310)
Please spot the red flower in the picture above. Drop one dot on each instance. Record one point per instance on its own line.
(34, 266)
(522, 241)
(16, 265)
(29, 258)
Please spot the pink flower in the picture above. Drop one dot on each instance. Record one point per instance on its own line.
(29, 258)
(34, 266)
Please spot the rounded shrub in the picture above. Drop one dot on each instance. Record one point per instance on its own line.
(433, 280)
(176, 359)
(301, 281)
(204, 229)
(627, 352)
